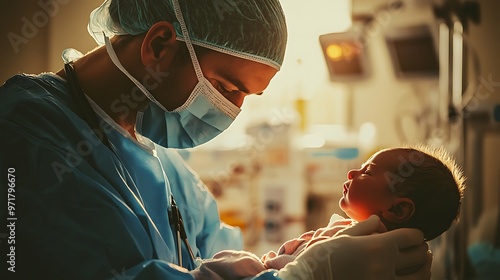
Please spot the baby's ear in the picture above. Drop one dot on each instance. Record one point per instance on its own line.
(401, 210)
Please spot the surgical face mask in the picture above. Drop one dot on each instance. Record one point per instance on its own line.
(205, 114)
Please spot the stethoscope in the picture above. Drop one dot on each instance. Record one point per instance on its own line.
(89, 115)
(176, 218)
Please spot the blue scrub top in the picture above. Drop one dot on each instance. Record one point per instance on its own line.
(83, 211)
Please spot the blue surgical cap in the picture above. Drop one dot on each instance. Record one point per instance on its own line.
(250, 29)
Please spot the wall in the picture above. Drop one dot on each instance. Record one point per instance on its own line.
(35, 32)
(23, 46)
(69, 30)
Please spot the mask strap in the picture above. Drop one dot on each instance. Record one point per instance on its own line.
(218, 100)
(118, 64)
(180, 18)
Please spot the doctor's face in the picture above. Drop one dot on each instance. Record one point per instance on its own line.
(234, 77)
(367, 192)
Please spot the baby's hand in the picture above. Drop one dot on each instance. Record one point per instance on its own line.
(229, 264)
(337, 224)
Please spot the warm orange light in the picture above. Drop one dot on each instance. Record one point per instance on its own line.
(344, 50)
(334, 52)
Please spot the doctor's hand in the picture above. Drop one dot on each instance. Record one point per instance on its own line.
(359, 254)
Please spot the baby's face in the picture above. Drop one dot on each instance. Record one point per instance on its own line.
(367, 192)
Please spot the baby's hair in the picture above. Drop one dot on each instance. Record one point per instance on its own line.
(435, 184)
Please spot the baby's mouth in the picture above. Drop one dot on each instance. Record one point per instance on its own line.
(346, 188)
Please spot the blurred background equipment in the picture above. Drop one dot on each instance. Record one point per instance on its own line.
(413, 52)
(345, 56)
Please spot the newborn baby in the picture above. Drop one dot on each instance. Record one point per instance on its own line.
(418, 187)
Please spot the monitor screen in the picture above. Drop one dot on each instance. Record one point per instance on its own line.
(345, 56)
(413, 52)
(347, 60)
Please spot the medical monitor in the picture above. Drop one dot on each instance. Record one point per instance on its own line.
(345, 56)
(413, 52)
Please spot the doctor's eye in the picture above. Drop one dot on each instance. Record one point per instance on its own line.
(222, 89)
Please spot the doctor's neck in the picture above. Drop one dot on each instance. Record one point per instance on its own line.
(108, 87)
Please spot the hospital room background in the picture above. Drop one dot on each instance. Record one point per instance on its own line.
(358, 76)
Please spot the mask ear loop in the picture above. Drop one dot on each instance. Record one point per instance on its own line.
(220, 101)
(185, 33)
(118, 64)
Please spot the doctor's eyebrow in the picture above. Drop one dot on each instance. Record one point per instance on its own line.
(241, 87)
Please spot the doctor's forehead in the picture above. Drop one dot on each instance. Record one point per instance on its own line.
(249, 76)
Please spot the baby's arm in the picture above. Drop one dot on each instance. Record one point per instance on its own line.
(287, 252)
(292, 248)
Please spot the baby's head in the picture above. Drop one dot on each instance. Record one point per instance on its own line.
(416, 187)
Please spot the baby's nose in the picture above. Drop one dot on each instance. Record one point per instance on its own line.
(351, 174)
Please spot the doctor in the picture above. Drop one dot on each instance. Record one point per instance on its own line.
(98, 192)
